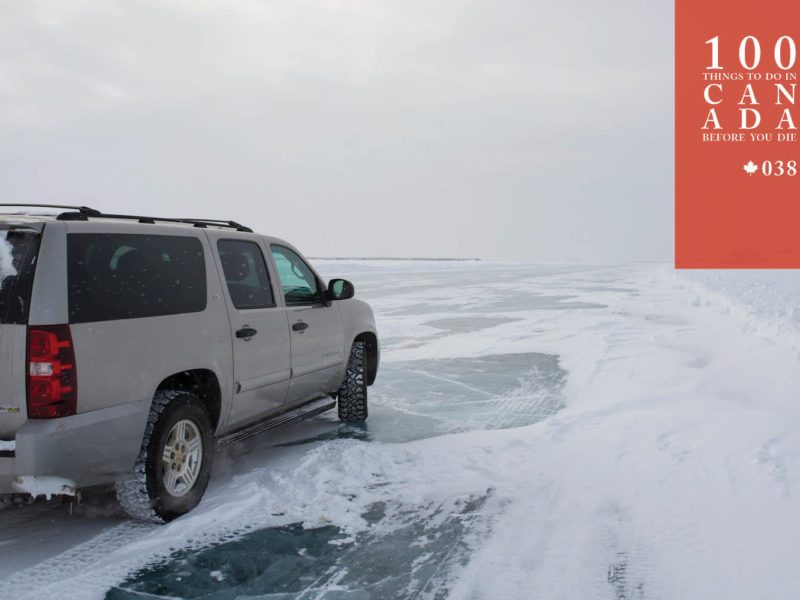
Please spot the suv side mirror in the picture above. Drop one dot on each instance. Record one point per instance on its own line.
(340, 289)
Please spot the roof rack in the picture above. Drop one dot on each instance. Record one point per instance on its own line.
(85, 210)
(82, 213)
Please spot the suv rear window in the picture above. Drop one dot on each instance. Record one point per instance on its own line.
(130, 276)
(18, 250)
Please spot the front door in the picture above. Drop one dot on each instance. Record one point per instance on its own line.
(316, 330)
(261, 344)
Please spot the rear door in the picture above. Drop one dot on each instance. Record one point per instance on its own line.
(260, 332)
(19, 247)
(316, 330)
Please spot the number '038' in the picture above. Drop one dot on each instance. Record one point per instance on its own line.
(785, 53)
(777, 168)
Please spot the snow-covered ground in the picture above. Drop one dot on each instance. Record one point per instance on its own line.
(536, 431)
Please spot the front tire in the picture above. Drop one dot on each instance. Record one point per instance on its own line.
(353, 393)
(174, 464)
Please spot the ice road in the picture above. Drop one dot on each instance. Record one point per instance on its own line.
(535, 431)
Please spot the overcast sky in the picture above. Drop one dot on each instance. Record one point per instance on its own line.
(515, 130)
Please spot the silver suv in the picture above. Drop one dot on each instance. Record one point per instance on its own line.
(131, 346)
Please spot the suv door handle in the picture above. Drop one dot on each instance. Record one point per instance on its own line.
(246, 332)
(300, 326)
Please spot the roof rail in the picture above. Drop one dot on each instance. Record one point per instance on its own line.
(203, 223)
(83, 210)
(82, 213)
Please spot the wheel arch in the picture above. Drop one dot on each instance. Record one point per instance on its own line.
(202, 382)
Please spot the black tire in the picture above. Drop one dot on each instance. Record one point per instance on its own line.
(353, 393)
(146, 494)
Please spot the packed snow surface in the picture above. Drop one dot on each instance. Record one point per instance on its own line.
(536, 431)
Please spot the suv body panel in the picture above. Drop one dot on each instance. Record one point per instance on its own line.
(137, 354)
(261, 365)
(13, 350)
(316, 351)
(49, 296)
(86, 449)
(121, 363)
(13, 362)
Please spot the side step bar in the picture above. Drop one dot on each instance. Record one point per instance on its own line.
(305, 411)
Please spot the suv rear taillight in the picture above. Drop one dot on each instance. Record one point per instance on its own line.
(52, 376)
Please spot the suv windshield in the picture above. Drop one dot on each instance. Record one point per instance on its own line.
(18, 250)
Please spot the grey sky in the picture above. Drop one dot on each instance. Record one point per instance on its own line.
(514, 130)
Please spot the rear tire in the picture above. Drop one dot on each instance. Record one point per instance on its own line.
(353, 393)
(174, 464)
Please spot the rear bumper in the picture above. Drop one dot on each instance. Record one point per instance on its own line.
(90, 448)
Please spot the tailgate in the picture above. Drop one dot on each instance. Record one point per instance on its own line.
(19, 246)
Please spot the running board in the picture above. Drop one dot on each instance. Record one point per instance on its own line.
(305, 411)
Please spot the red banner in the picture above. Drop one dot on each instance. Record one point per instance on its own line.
(736, 134)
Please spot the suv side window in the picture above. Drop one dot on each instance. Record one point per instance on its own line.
(300, 285)
(246, 274)
(129, 276)
(16, 275)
